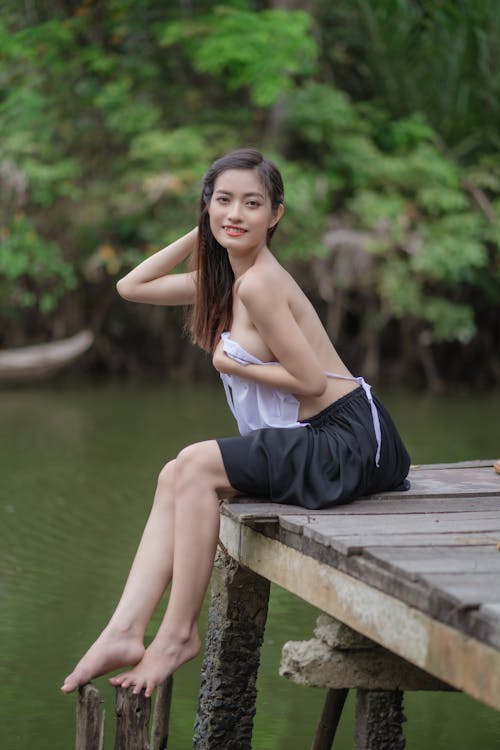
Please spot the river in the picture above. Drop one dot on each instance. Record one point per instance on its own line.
(78, 468)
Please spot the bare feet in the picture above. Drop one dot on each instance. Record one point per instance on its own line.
(112, 650)
(159, 661)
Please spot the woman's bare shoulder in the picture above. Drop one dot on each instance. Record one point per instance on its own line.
(265, 280)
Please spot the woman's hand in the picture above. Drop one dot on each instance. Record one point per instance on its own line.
(221, 361)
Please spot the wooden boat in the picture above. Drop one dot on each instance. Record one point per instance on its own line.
(31, 363)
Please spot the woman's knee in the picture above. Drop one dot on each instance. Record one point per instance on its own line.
(200, 462)
(166, 481)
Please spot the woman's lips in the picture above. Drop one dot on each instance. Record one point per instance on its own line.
(234, 231)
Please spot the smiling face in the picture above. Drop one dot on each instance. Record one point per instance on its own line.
(240, 210)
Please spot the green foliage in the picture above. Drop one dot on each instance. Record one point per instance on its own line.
(384, 118)
(429, 238)
(33, 273)
(440, 57)
(442, 235)
(262, 51)
(307, 203)
(452, 249)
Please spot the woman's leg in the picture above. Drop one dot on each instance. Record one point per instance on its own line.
(121, 642)
(199, 481)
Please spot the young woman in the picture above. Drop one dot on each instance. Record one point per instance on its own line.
(311, 433)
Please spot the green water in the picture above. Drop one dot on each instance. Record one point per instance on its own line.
(78, 467)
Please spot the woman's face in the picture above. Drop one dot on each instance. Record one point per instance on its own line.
(240, 210)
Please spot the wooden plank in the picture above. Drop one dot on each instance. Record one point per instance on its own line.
(474, 464)
(453, 481)
(467, 479)
(352, 543)
(438, 601)
(355, 545)
(406, 586)
(491, 612)
(416, 592)
(458, 503)
(254, 510)
(468, 589)
(422, 560)
(326, 527)
(452, 656)
(263, 510)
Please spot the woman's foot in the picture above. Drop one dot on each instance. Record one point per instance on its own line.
(112, 650)
(159, 661)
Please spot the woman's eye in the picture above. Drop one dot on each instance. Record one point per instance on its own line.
(253, 204)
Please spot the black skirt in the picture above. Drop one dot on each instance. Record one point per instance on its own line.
(328, 462)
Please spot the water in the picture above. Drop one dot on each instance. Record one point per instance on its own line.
(78, 467)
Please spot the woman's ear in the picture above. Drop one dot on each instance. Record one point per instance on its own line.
(277, 215)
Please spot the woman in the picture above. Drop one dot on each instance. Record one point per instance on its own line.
(311, 434)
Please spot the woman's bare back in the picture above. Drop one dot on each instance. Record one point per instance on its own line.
(244, 331)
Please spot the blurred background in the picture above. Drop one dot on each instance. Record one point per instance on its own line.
(384, 118)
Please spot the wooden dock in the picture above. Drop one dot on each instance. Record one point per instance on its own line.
(409, 584)
(417, 572)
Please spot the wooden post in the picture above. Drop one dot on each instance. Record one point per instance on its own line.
(236, 622)
(132, 720)
(161, 715)
(89, 731)
(330, 717)
(379, 717)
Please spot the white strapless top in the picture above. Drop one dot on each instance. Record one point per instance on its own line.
(255, 405)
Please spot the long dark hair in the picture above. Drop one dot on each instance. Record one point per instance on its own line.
(213, 308)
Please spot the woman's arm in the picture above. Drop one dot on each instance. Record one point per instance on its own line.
(299, 370)
(151, 281)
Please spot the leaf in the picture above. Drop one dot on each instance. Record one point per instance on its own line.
(262, 51)
(452, 249)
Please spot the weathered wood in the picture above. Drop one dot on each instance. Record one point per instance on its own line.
(325, 527)
(450, 599)
(468, 589)
(450, 481)
(236, 622)
(382, 504)
(416, 572)
(440, 649)
(453, 559)
(471, 617)
(410, 588)
(329, 720)
(88, 724)
(378, 720)
(161, 715)
(355, 545)
(132, 720)
(486, 463)
(430, 481)
(351, 535)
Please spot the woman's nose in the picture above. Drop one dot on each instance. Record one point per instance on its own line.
(234, 213)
